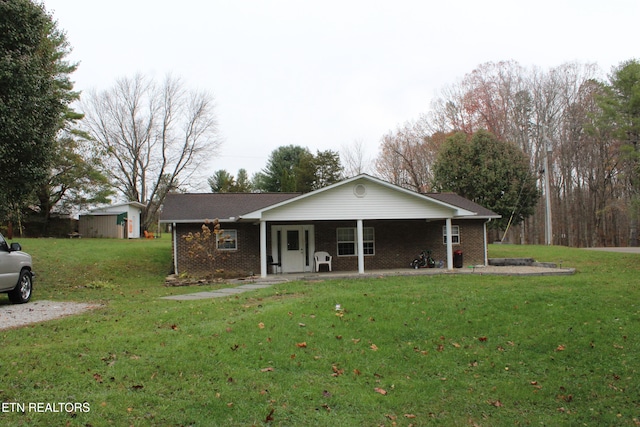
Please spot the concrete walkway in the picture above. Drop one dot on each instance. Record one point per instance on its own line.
(219, 293)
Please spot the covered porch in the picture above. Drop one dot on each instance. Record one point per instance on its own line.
(357, 245)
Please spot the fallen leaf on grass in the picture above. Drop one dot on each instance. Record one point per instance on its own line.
(380, 390)
(174, 327)
(270, 416)
(261, 325)
(495, 403)
(560, 348)
(409, 416)
(97, 377)
(374, 347)
(301, 344)
(336, 372)
(268, 369)
(482, 339)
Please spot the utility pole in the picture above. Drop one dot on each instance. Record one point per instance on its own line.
(548, 238)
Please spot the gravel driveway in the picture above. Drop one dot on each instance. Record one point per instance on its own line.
(16, 315)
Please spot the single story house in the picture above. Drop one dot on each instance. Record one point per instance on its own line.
(120, 221)
(363, 223)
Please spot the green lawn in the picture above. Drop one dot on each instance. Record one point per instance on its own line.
(450, 350)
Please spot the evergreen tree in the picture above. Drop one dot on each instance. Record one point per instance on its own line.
(35, 93)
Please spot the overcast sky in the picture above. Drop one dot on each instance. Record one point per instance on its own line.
(323, 74)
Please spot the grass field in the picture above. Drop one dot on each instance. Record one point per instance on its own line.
(449, 350)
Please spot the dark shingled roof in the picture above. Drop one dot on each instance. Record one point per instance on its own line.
(461, 202)
(196, 207)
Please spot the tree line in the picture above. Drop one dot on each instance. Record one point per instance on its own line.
(493, 136)
(587, 127)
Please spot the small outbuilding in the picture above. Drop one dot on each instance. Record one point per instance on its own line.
(120, 221)
(358, 224)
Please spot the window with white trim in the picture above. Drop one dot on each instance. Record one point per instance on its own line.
(455, 235)
(347, 241)
(227, 240)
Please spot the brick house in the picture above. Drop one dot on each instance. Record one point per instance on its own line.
(363, 222)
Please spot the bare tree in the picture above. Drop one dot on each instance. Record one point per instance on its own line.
(354, 158)
(407, 155)
(153, 136)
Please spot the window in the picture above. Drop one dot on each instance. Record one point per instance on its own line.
(455, 235)
(346, 241)
(228, 240)
(368, 238)
(347, 244)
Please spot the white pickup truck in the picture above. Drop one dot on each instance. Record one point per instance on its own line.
(16, 273)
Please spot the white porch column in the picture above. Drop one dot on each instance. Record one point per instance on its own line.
(449, 246)
(360, 247)
(263, 249)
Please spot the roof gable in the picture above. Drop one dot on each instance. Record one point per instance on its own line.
(366, 197)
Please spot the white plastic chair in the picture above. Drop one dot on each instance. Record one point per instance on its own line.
(322, 258)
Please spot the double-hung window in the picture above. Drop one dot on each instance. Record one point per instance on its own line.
(455, 235)
(348, 244)
(227, 240)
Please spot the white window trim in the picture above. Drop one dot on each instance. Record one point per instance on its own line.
(455, 235)
(232, 237)
(355, 241)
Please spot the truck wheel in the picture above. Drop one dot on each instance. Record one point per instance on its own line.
(22, 292)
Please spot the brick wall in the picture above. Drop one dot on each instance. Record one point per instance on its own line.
(237, 263)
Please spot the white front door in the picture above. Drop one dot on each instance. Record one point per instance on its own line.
(296, 247)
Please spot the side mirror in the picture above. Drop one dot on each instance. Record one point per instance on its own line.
(15, 247)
